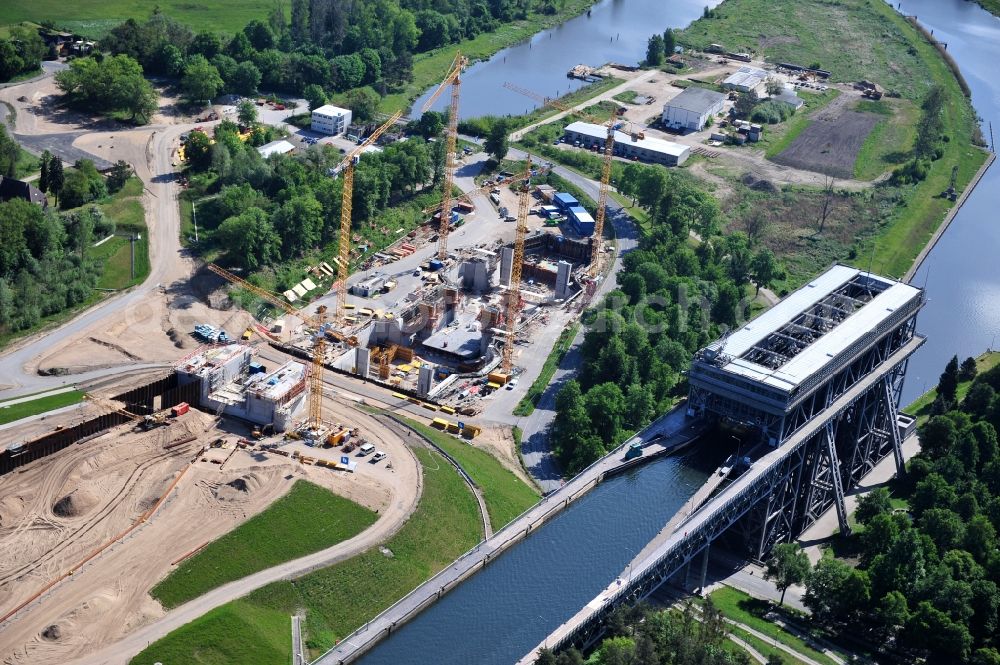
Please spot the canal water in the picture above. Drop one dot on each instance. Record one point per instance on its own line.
(962, 272)
(508, 608)
(615, 31)
(504, 611)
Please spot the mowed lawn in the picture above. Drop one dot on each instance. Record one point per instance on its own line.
(506, 495)
(337, 600)
(9, 414)
(98, 16)
(306, 520)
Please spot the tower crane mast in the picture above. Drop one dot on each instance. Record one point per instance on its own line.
(608, 159)
(514, 289)
(346, 167)
(454, 79)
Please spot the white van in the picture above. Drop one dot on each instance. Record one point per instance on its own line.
(366, 450)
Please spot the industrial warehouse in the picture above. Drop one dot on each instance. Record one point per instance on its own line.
(635, 146)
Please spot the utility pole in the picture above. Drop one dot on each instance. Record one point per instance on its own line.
(993, 146)
(132, 240)
(194, 217)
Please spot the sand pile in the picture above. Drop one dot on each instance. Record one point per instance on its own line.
(76, 503)
(238, 488)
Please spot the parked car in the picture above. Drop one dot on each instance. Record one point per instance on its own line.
(378, 457)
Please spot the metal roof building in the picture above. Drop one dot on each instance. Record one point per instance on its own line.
(746, 79)
(657, 151)
(692, 108)
(279, 147)
(786, 356)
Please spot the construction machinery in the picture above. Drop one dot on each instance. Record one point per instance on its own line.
(315, 322)
(608, 154)
(346, 168)
(514, 288)
(454, 79)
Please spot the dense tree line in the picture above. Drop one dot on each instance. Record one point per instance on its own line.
(281, 208)
(108, 85)
(21, 53)
(323, 46)
(927, 579)
(642, 636)
(672, 298)
(44, 263)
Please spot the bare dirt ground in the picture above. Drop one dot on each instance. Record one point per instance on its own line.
(56, 511)
(830, 144)
(498, 442)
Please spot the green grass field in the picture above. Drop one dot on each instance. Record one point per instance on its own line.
(9, 414)
(96, 17)
(527, 404)
(125, 208)
(307, 519)
(862, 39)
(890, 140)
(749, 611)
(339, 599)
(506, 495)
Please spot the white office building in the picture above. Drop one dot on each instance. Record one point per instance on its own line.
(331, 120)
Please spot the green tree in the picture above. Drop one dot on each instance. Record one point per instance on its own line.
(260, 34)
(201, 81)
(245, 79)
(498, 140)
(763, 268)
(299, 27)
(892, 613)
(938, 436)
(788, 565)
(669, 42)
(45, 161)
(198, 150)
(299, 222)
(9, 152)
(363, 103)
(207, 44)
(246, 113)
(745, 101)
(968, 370)
(349, 71)
(250, 239)
(654, 51)
(11, 63)
(56, 176)
(876, 502)
(315, 95)
(948, 383)
(119, 175)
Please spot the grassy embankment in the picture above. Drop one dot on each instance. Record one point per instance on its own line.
(506, 495)
(530, 400)
(95, 18)
(10, 413)
(337, 599)
(992, 6)
(431, 67)
(307, 519)
(921, 407)
(125, 209)
(749, 611)
(863, 39)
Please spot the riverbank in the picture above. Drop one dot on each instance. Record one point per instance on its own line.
(992, 6)
(431, 67)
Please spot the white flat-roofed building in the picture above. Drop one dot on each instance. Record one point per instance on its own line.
(691, 109)
(279, 147)
(647, 149)
(332, 120)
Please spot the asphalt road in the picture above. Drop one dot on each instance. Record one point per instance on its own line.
(535, 448)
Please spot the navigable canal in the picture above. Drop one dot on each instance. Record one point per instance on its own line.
(508, 608)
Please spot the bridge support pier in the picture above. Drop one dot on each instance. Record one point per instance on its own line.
(838, 486)
(704, 568)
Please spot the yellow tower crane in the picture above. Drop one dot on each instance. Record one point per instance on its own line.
(314, 321)
(454, 79)
(346, 167)
(608, 153)
(514, 289)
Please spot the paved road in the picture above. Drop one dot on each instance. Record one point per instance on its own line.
(535, 448)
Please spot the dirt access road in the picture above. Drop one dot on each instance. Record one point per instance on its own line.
(105, 605)
(149, 150)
